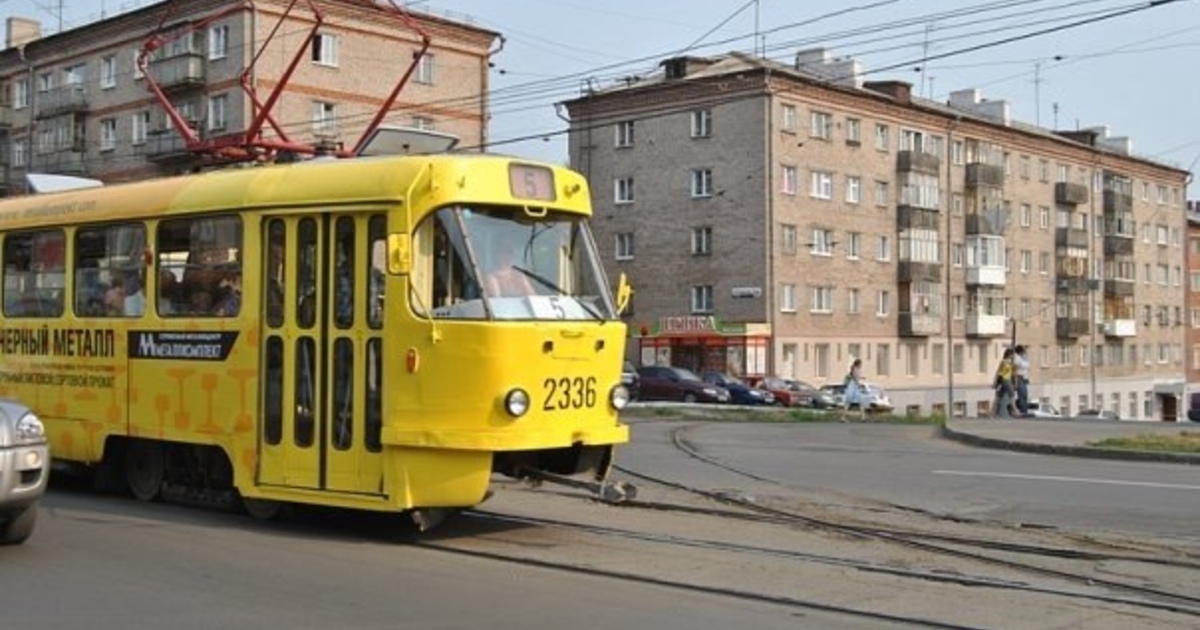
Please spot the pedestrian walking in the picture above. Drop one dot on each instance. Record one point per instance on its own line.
(1021, 369)
(854, 391)
(1005, 402)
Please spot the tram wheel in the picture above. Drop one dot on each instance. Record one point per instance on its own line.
(263, 509)
(145, 470)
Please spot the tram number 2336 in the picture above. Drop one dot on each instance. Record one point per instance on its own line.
(569, 393)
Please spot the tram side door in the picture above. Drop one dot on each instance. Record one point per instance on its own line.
(322, 391)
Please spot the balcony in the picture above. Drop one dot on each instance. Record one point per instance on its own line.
(920, 325)
(64, 162)
(1120, 328)
(986, 275)
(917, 162)
(913, 217)
(64, 99)
(1070, 194)
(1117, 203)
(1071, 327)
(1117, 245)
(6, 116)
(1119, 287)
(165, 144)
(911, 271)
(978, 224)
(1071, 237)
(179, 73)
(1072, 285)
(987, 325)
(980, 174)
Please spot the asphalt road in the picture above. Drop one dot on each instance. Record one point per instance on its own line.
(910, 466)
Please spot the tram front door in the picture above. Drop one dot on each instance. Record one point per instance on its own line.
(322, 326)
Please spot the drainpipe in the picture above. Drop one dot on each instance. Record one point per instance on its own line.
(948, 308)
(769, 212)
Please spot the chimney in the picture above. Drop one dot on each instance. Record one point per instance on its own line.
(22, 31)
(818, 63)
(971, 101)
(900, 91)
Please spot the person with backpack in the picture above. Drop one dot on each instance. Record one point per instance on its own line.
(1005, 386)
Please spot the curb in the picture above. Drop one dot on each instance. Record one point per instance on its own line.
(1069, 450)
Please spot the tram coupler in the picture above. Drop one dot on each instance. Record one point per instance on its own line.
(606, 491)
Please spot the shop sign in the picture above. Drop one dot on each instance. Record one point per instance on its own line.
(687, 323)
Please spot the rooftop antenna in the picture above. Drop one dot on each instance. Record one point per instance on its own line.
(925, 56)
(1037, 93)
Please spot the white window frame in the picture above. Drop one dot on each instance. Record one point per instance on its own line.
(788, 118)
(787, 298)
(883, 303)
(218, 108)
(883, 252)
(820, 125)
(702, 123)
(853, 303)
(883, 137)
(821, 300)
(623, 134)
(853, 131)
(624, 246)
(788, 237)
(324, 117)
(139, 125)
(854, 245)
(702, 298)
(426, 72)
(702, 183)
(108, 134)
(702, 241)
(108, 72)
(788, 178)
(20, 93)
(325, 50)
(853, 189)
(218, 42)
(822, 242)
(821, 185)
(624, 191)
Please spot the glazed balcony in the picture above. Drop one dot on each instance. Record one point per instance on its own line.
(1070, 194)
(917, 162)
(986, 275)
(1118, 245)
(180, 72)
(913, 217)
(987, 325)
(1071, 327)
(1117, 203)
(1120, 328)
(1072, 285)
(1071, 237)
(920, 325)
(978, 224)
(980, 174)
(1119, 287)
(911, 271)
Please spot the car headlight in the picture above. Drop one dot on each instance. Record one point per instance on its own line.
(618, 397)
(710, 391)
(30, 430)
(516, 402)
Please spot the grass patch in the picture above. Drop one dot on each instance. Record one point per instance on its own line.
(1185, 442)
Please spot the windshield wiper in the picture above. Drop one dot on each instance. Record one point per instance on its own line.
(550, 284)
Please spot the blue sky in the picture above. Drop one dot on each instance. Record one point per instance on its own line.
(1134, 73)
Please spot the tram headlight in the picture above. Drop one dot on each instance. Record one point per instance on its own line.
(516, 402)
(30, 430)
(619, 397)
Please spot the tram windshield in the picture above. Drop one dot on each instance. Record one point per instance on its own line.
(507, 264)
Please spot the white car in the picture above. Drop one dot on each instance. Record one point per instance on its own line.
(24, 469)
(1039, 410)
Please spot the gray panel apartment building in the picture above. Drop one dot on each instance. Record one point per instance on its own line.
(76, 103)
(783, 220)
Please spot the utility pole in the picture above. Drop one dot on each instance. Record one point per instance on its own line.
(1037, 93)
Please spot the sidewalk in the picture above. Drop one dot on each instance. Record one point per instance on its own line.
(1067, 437)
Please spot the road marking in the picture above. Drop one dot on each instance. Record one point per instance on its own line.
(1109, 482)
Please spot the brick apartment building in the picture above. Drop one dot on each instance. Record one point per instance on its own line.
(1193, 300)
(76, 102)
(782, 220)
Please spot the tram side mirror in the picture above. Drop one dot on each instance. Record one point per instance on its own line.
(624, 294)
(399, 254)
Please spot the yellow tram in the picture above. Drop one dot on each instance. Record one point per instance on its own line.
(376, 333)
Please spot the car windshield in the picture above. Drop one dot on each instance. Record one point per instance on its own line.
(491, 262)
(685, 374)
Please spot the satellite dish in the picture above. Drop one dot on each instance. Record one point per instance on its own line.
(407, 141)
(41, 183)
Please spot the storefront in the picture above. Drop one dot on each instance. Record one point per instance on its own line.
(703, 343)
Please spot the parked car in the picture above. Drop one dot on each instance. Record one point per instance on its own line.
(739, 392)
(631, 380)
(790, 392)
(875, 398)
(1039, 410)
(671, 383)
(24, 469)
(1098, 414)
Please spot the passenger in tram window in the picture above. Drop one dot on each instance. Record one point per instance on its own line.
(168, 293)
(200, 302)
(229, 295)
(505, 280)
(275, 291)
(114, 298)
(135, 298)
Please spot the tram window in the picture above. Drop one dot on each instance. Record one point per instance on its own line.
(373, 381)
(110, 271)
(204, 256)
(275, 272)
(273, 396)
(343, 288)
(343, 393)
(376, 269)
(306, 387)
(306, 274)
(34, 274)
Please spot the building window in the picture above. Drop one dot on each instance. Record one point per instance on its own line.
(853, 302)
(883, 359)
(821, 186)
(822, 300)
(702, 299)
(1026, 215)
(821, 126)
(108, 134)
(958, 153)
(853, 245)
(1044, 217)
(218, 42)
(789, 118)
(139, 123)
(882, 137)
(702, 182)
(425, 66)
(20, 153)
(324, 118)
(788, 234)
(624, 134)
(702, 241)
(883, 304)
(325, 50)
(424, 123)
(789, 180)
(853, 131)
(787, 298)
(623, 190)
(137, 69)
(216, 111)
(624, 246)
(108, 72)
(882, 196)
(21, 94)
(702, 123)
(884, 251)
(822, 242)
(853, 189)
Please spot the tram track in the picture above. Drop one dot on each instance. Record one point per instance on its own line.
(952, 546)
